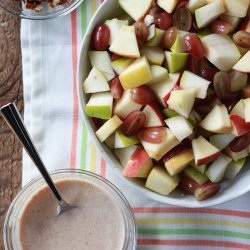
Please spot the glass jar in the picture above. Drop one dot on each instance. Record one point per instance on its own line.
(11, 225)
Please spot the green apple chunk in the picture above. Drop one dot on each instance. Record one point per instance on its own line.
(125, 43)
(136, 9)
(125, 105)
(167, 5)
(234, 168)
(101, 60)
(217, 120)
(180, 127)
(95, 82)
(179, 45)
(157, 38)
(221, 51)
(123, 141)
(236, 8)
(191, 80)
(236, 155)
(159, 74)
(169, 113)
(238, 109)
(155, 55)
(180, 161)
(216, 170)
(121, 64)
(243, 65)
(209, 13)
(100, 105)
(108, 128)
(157, 151)
(247, 109)
(114, 27)
(182, 101)
(160, 181)
(195, 175)
(176, 61)
(138, 73)
(192, 5)
(238, 80)
(201, 168)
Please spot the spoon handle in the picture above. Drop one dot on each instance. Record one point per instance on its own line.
(14, 120)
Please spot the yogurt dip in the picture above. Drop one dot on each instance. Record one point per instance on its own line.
(102, 220)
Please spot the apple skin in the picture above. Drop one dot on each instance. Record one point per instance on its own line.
(208, 159)
(139, 164)
(240, 127)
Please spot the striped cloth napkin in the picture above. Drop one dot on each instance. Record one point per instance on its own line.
(49, 53)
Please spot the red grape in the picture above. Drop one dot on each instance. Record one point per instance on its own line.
(116, 88)
(240, 143)
(101, 37)
(221, 27)
(193, 65)
(133, 123)
(170, 37)
(208, 73)
(206, 191)
(242, 39)
(142, 95)
(189, 185)
(181, 4)
(194, 46)
(183, 19)
(222, 85)
(153, 135)
(164, 21)
(154, 12)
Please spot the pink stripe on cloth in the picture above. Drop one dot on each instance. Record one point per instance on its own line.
(75, 99)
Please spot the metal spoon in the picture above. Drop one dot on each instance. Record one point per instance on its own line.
(13, 118)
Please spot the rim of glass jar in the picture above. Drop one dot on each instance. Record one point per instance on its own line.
(129, 242)
(41, 17)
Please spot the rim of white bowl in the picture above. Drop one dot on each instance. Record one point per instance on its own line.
(190, 203)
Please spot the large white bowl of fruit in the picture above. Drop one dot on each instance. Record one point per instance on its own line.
(163, 88)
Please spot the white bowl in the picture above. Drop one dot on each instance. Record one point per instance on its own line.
(230, 189)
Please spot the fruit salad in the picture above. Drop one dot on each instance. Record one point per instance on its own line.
(169, 92)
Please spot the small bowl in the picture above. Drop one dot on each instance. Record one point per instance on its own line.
(15, 210)
(230, 189)
(17, 8)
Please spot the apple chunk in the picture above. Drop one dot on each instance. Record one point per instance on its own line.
(238, 109)
(136, 9)
(108, 128)
(221, 141)
(95, 82)
(217, 120)
(247, 110)
(190, 80)
(100, 105)
(159, 74)
(101, 60)
(216, 170)
(204, 152)
(167, 5)
(208, 13)
(160, 181)
(121, 64)
(125, 43)
(234, 168)
(125, 105)
(182, 101)
(192, 5)
(139, 164)
(239, 126)
(180, 127)
(243, 65)
(123, 141)
(236, 8)
(155, 55)
(157, 151)
(176, 61)
(221, 51)
(177, 163)
(137, 74)
(154, 116)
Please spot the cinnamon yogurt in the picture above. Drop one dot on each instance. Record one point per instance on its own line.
(102, 218)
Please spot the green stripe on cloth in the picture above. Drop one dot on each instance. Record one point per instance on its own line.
(194, 232)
